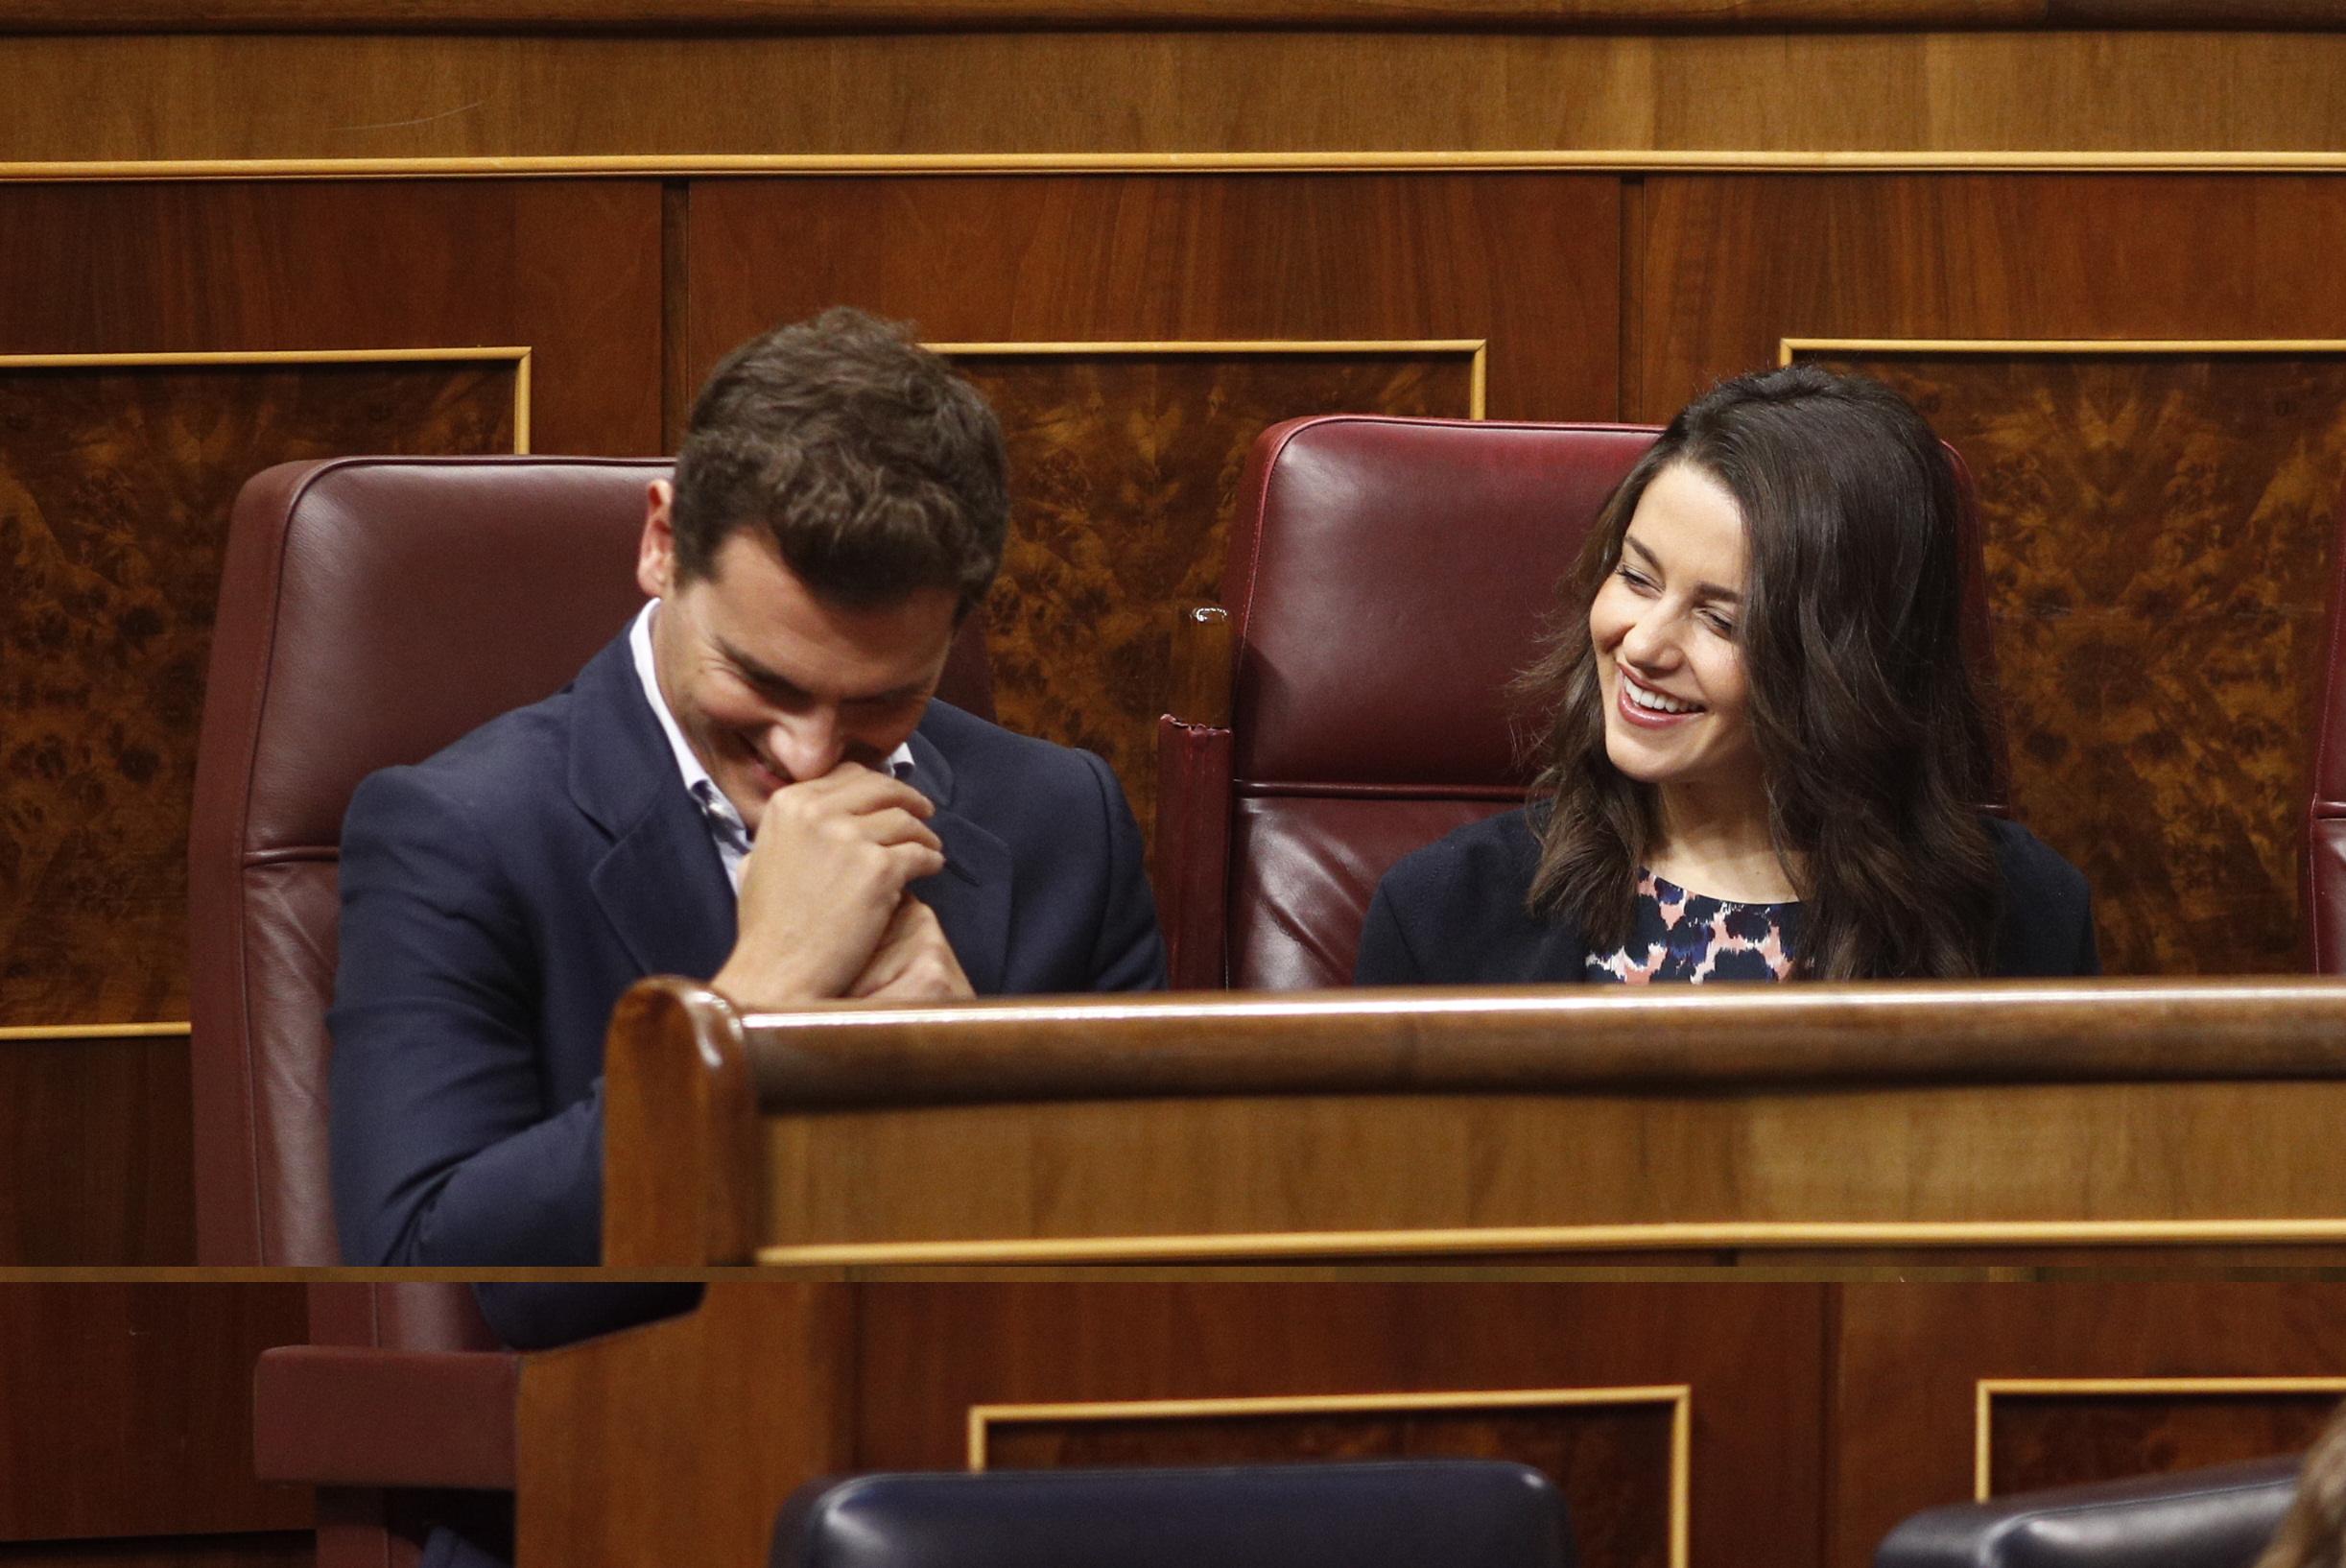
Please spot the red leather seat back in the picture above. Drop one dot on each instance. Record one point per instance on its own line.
(1389, 579)
(371, 610)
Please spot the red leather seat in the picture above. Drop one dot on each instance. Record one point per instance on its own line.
(1387, 578)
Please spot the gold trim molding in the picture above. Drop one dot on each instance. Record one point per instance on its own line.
(1475, 349)
(1595, 160)
(1789, 348)
(1988, 1388)
(520, 357)
(1679, 1397)
(13, 1034)
(1279, 1247)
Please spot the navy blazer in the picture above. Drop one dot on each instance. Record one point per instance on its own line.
(499, 897)
(1453, 914)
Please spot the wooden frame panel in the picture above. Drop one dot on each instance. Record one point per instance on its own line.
(1679, 1398)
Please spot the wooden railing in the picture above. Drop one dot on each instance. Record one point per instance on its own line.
(1723, 1122)
(811, 15)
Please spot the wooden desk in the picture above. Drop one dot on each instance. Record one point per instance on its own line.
(2007, 1123)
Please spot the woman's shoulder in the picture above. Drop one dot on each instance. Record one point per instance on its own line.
(2048, 926)
(1455, 913)
(1503, 848)
(2030, 866)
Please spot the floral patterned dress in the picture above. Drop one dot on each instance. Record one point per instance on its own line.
(1692, 937)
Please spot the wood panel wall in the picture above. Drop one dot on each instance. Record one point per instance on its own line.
(125, 1429)
(1588, 225)
(1815, 1415)
(1427, 95)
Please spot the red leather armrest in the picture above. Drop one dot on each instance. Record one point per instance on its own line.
(333, 1416)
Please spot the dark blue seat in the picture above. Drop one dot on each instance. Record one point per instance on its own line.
(1430, 1513)
(2215, 1518)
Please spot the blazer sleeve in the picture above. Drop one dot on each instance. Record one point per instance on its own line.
(443, 1150)
(2048, 925)
(2088, 959)
(1385, 957)
(1129, 952)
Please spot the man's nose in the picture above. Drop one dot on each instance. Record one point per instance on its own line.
(808, 745)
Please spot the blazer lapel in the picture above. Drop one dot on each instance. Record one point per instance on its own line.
(665, 891)
(972, 894)
(661, 884)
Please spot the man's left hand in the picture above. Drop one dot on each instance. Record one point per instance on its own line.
(913, 962)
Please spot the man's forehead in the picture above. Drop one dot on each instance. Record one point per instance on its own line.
(774, 629)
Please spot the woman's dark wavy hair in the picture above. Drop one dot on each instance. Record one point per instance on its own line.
(1872, 737)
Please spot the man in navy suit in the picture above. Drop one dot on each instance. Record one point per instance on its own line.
(750, 785)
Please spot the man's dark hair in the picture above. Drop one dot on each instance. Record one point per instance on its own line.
(862, 458)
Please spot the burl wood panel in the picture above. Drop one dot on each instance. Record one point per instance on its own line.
(129, 1408)
(1124, 470)
(1910, 1357)
(2153, 523)
(1752, 1354)
(1122, 465)
(115, 484)
(2058, 1440)
(2158, 534)
(95, 1152)
(1611, 1462)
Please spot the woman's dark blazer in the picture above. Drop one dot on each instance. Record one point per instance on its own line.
(1453, 914)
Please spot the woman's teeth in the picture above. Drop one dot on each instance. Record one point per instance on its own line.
(1655, 701)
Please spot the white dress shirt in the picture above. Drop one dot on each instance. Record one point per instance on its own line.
(725, 827)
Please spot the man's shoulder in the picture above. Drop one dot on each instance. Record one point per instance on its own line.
(989, 760)
(508, 763)
(512, 768)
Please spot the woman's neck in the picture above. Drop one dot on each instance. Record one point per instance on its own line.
(1716, 840)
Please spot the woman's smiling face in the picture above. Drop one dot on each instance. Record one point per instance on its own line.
(1669, 663)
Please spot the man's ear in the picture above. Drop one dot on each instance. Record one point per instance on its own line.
(656, 553)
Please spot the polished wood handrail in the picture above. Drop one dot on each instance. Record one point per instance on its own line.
(930, 15)
(1544, 1039)
(850, 1132)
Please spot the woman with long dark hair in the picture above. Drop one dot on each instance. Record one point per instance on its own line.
(1764, 753)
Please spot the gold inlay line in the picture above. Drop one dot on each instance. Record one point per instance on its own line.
(1690, 160)
(1592, 1238)
(1788, 348)
(90, 1031)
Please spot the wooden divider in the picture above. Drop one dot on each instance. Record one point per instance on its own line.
(1859, 1123)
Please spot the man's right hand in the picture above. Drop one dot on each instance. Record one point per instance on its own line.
(831, 860)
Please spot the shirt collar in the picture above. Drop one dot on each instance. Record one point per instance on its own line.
(696, 777)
